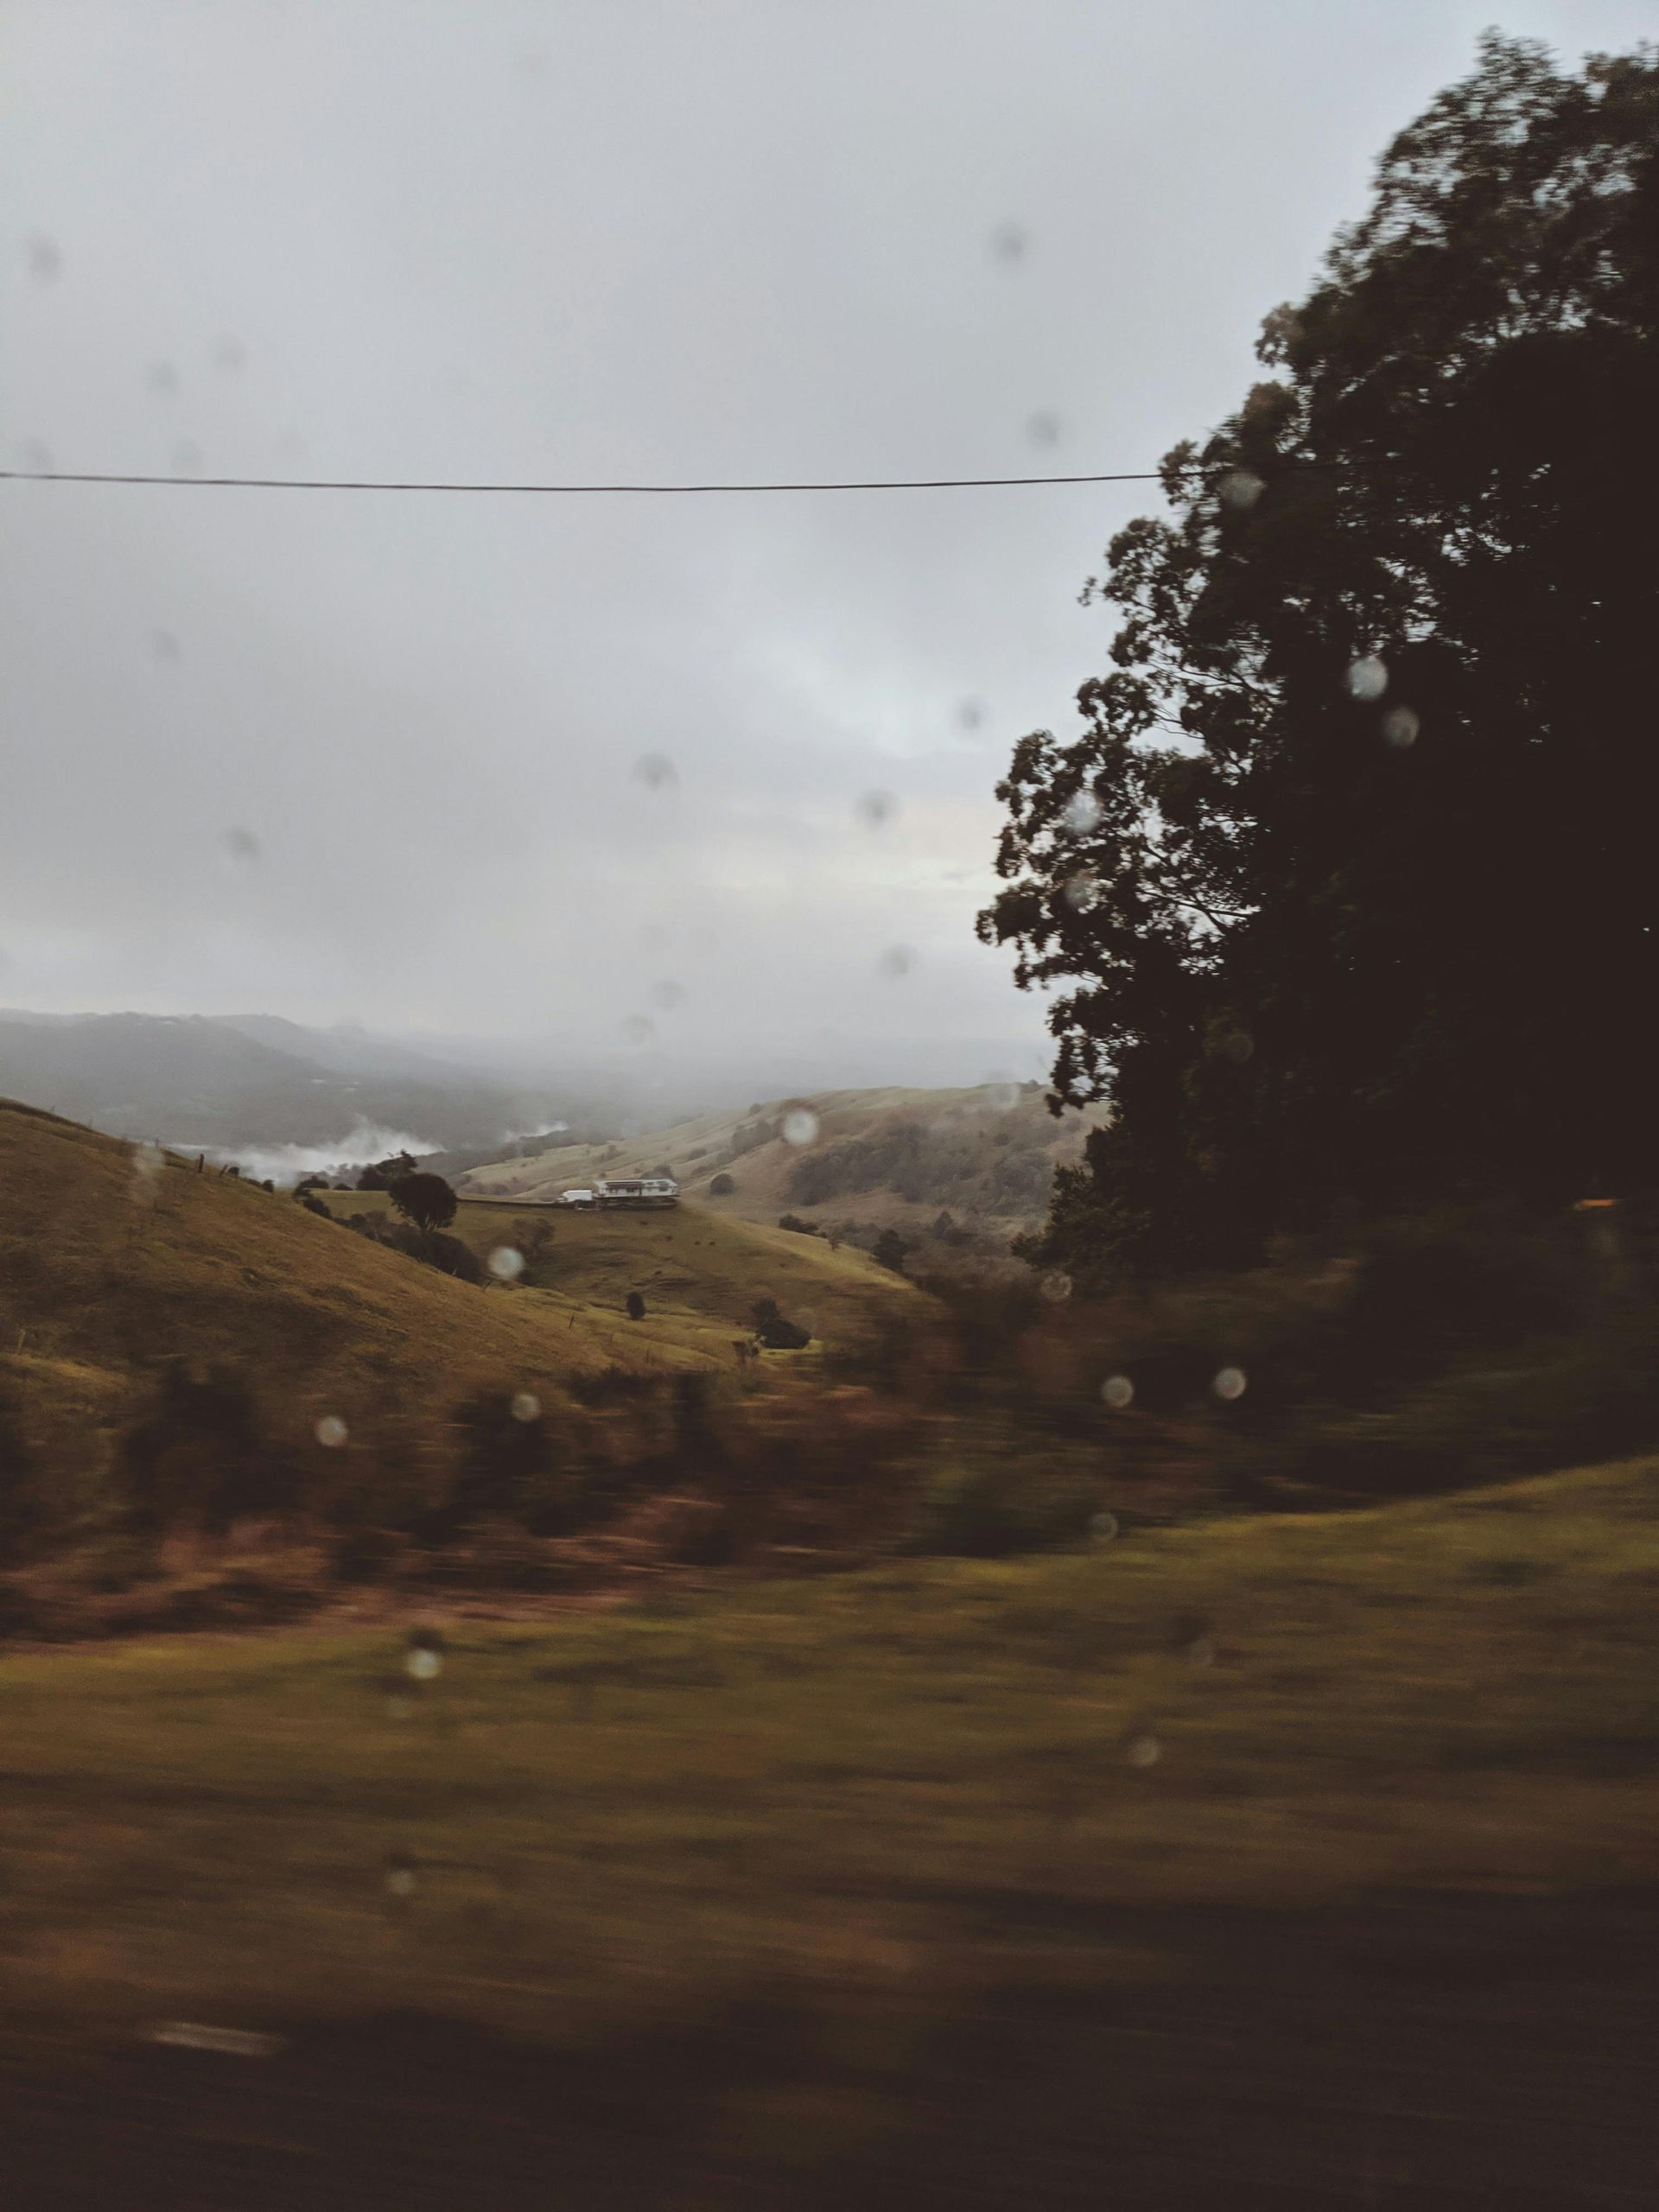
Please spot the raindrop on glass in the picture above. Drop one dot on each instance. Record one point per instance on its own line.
(186, 457)
(1401, 726)
(656, 771)
(639, 1028)
(330, 1431)
(162, 378)
(1044, 428)
(506, 1263)
(666, 995)
(1367, 678)
(1145, 1751)
(1104, 1528)
(970, 713)
(1082, 891)
(1201, 1652)
(37, 455)
(897, 961)
(874, 808)
(422, 1665)
(526, 1406)
(1240, 489)
(400, 1877)
(800, 1126)
(1237, 1047)
(1009, 243)
(45, 258)
(149, 1161)
(1002, 1094)
(1083, 813)
(1230, 1383)
(165, 644)
(1118, 1391)
(1056, 1286)
(241, 847)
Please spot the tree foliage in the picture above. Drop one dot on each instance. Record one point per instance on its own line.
(1345, 885)
(425, 1200)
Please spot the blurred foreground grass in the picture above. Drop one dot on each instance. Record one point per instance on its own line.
(871, 1791)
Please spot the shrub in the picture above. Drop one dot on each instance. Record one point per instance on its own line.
(792, 1220)
(635, 1305)
(721, 1186)
(988, 1511)
(776, 1334)
(198, 1457)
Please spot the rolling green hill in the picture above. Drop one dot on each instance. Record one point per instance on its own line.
(877, 1159)
(112, 1259)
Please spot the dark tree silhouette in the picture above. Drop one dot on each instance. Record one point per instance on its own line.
(636, 1306)
(1347, 879)
(721, 1186)
(384, 1173)
(891, 1249)
(425, 1200)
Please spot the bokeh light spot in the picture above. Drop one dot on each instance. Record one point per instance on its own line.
(800, 1126)
(1367, 678)
(506, 1263)
(1118, 1392)
(330, 1431)
(1230, 1382)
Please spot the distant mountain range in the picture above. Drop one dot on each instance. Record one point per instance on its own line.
(230, 1083)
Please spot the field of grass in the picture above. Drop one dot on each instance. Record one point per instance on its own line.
(607, 1820)
(110, 1259)
(1267, 1863)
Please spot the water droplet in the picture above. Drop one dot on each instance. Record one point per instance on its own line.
(162, 378)
(230, 355)
(1083, 813)
(1056, 1285)
(1002, 1094)
(400, 1709)
(970, 713)
(526, 1406)
(666, 995)
(165, 644)
(897, 961)
(1401, 726)
(330, 1431)
(241, 847)
(186, 457)
(1230, 1383)
(1240, 489)
(656, 771)
(37, 456)
(800, 1126)
(874, 808)
(1145, 1751)
(639, 1028)
(1104, 1528)
(400, 1877)
(506, 1263)
(1082, 890)
(1044, 428)
(1118, 1392)
(1367, 678)
(45, 258)
(149, 1162)
(422, 1665)
(1201, 1652)
(1237, 1047)
(1009, 243)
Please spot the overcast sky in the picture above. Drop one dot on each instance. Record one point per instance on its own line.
(357, 755)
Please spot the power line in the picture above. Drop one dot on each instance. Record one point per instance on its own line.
(566, 491)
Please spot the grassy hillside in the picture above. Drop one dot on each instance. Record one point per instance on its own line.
(894, 1809)
(879, 1157)
(105, 1268)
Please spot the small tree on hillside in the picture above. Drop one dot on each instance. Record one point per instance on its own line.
(891, 1249)
(721, 1186)
(427, 1201)
(394, 1168)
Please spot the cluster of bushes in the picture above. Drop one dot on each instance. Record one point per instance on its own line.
(918, 1161)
